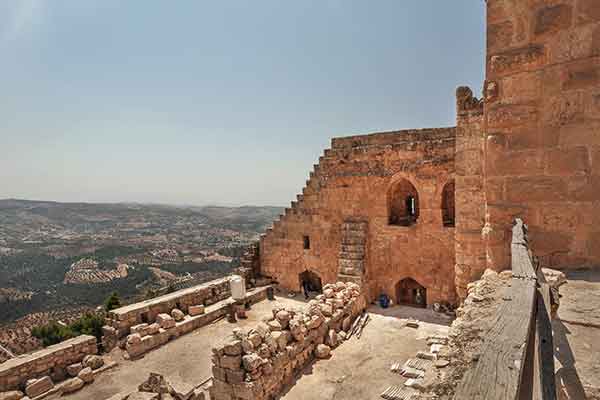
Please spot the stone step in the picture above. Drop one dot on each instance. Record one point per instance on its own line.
(350, 271)
(348, 255)
(354, 234)
(353, 240)
(350, 278)
(352, 248)
(355, 264)
(354, 226)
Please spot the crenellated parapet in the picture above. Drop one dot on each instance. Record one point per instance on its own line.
(466, 103)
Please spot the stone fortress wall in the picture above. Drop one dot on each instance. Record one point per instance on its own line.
(345, 209)
(52, 360)
(529, 148)
(542, 129)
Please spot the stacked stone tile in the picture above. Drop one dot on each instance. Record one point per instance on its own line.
(35, 372)
(170, 325)
(257, 364)
(159, 387)
(123, 318)
(352, 251)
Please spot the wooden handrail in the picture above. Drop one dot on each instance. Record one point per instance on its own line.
(513, 362)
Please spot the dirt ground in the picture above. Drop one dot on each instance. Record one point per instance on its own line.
(187, 358)
(577, 337)
(360, 368)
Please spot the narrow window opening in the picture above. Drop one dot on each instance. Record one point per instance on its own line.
(448, 205)
(306, 240)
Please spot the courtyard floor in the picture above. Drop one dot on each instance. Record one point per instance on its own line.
(577, 336)
(187, 358)
(359, 368)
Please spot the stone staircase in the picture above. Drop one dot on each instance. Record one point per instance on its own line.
(306, 203)
(352, 251)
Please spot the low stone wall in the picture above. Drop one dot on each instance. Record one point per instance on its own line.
(123, 318)
(145, 337)
(50, 361)
(256, 365)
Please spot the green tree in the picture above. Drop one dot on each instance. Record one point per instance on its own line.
(113, 301)
(88, 324)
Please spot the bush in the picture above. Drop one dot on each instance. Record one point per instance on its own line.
(53, 333)
(112, 302)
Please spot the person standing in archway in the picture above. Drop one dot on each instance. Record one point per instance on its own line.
(306, 288)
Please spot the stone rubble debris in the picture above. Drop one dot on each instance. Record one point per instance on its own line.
(257, 363)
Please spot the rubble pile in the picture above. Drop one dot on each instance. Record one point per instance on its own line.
(157, 387)
(474, 319)
(60, 381)
(256, 364)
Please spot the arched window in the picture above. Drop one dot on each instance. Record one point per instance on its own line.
(448, 204)
(403, 204)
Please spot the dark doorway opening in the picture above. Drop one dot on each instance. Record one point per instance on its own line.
(410, 292)
(310, 281)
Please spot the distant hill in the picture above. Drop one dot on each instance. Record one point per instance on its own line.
(69, 215)
(42, 241)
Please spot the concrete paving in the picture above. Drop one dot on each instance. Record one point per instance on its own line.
(577, 337)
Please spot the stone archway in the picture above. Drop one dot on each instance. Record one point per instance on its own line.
(410, 292)
(312, 279)
(403, 203)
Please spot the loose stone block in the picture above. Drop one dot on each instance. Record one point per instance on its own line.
(165, 321)
(86, 375)
(196, 310)
(71, 385)
(12, 395)
(39, 386)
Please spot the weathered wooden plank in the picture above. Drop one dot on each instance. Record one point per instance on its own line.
(497, 373)
(544, 383)
(521, 264)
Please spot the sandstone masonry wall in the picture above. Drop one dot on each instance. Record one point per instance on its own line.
(350, 187)
(470, 196)
(542, 125)
(256, 365)
(123, 318)
(16, 371)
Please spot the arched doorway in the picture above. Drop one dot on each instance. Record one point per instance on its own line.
(312, 280)
(403, 203)
(410, 292)
(448, 204)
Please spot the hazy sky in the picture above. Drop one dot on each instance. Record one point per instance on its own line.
(220, 102)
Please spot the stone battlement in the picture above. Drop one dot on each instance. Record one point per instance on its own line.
(393, 137)
(16, 371)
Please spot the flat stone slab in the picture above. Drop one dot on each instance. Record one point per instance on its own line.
(143, 396)
(418, 363)
(399, 393)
